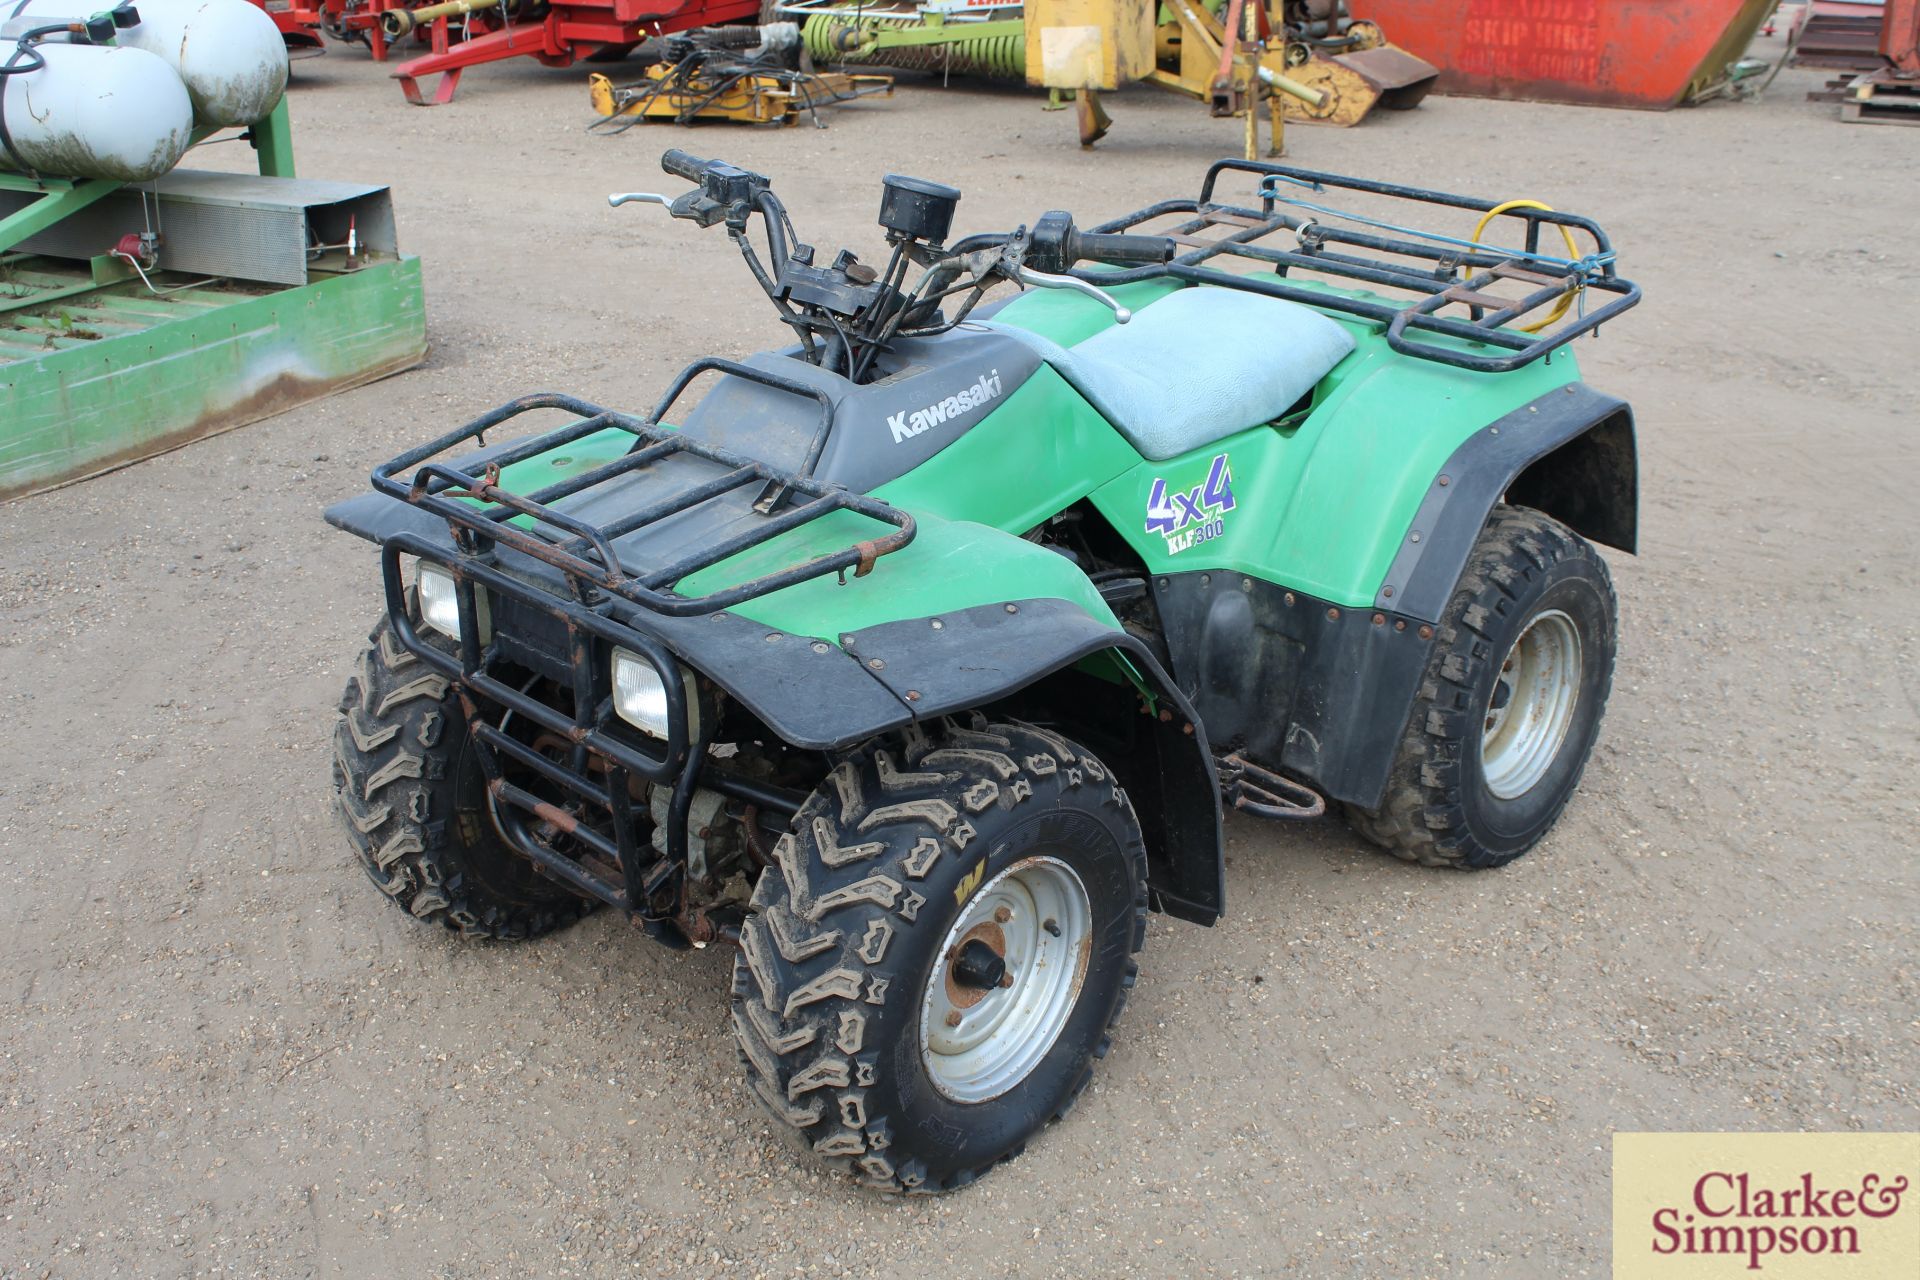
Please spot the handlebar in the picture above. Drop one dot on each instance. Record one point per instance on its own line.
(681, 165)
(846, 314)
(1106, 247)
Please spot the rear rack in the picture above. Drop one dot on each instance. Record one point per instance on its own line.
(1323, 247)
(586, 554)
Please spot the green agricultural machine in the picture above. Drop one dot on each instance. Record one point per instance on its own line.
(144, 305)
(921, 657)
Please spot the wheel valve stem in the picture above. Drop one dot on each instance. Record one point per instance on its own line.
(1051, 925)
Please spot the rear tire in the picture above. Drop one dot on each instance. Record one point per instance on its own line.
(1510, 704)
(847, 971)
(413, 800)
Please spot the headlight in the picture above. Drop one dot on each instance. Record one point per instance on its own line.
(640, 695)
(440, 603)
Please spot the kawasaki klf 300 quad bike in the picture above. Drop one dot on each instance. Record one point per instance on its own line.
(919, 657)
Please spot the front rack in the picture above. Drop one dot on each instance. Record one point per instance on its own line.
(1394, 257)
(585, 552)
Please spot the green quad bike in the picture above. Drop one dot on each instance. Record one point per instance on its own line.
(920, 657)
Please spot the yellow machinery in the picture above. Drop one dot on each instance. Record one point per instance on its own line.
(749, 99)
(1350, 62)
(1306, 59)
(1226, 63)
(753, 75)
(1079, 48)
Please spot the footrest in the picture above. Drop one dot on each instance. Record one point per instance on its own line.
(1265, 794)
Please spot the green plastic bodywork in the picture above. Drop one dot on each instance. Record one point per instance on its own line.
(1321, 500)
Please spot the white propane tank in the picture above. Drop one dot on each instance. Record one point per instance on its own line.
(228, 52)
(96, 111)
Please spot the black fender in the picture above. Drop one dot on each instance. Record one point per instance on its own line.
(1570, 453)
(1015, 657)
(1030, 659)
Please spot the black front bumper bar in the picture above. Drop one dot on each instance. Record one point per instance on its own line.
(620, 868)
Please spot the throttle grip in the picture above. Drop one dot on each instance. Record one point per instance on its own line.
(1109, 247)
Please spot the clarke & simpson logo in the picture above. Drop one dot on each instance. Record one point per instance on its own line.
(1695, 1206)
(1726, 1215)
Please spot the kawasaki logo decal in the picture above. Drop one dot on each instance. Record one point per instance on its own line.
(905, 425)
(1188, 518)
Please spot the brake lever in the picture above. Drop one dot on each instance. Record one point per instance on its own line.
(1047, 280)
(692, 205)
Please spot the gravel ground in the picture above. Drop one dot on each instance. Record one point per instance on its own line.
(224, 1055)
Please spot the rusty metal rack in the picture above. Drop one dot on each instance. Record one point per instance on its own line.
(585, 552)
(1350, 246)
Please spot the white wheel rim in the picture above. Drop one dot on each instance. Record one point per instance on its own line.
(978, 1043)
(1531, 705)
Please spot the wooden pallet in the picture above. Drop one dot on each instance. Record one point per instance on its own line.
(1881, 99)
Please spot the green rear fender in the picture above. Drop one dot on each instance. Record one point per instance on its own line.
(1322, 502)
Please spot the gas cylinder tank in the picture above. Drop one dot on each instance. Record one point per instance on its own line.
(96, 111)
(227, 52)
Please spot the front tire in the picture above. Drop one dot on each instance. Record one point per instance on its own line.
(1510, 704)
(413, 800)
(937, 956)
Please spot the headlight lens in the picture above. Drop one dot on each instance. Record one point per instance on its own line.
(440, 603)
(439, 600)
(640, 695)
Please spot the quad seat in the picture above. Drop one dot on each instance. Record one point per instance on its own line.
(1197, 366)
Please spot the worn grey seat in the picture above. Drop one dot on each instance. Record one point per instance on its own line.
(1197, 365)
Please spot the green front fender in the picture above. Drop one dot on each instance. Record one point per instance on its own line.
(950, 566)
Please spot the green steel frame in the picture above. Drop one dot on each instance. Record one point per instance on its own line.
(97, 369)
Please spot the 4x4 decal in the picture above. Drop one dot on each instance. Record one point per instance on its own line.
(1188, 517)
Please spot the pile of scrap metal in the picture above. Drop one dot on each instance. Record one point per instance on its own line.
(1304, 59)
(753, 75)
(1879, 44)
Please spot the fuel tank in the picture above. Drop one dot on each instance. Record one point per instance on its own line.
(228, 53)
(96, 111)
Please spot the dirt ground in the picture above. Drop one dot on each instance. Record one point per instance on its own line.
(225, 1055)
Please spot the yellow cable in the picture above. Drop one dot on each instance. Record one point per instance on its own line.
(1566, 299)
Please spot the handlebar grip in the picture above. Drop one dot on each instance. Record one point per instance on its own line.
(681, 165)
(1107, 247)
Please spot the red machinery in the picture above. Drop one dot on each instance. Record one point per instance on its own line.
(299, 25)
(465, 33)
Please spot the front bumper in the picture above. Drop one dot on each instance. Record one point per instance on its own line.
(603, 756)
